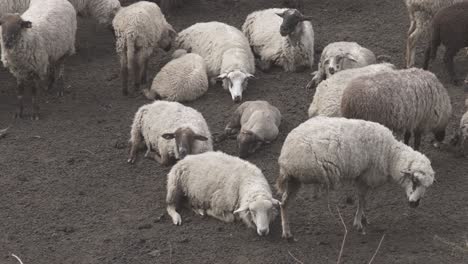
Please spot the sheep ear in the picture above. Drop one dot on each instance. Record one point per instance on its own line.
(280, 14)
(275, 202)
(221, 76)
(242, 209)
(350, 57)
(200, 137)
(26, 24)
(168, 136)
(189, 50)
(250, 76)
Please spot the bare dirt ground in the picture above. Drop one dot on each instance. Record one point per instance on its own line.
(68, 196)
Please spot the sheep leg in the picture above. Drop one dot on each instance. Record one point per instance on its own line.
(292, 187)
(20, 98)
(144, 79)
(51, 81)
(124, 73)
(448, 60)
(141, 62)
(61, 82)
(172, 199)
(411, 47)
(417, 139)
(407, 137)
(34, 90)
(136, 72)
(360, 220)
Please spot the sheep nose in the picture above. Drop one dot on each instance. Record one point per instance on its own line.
(237, 99)
(182, 153)
(263, 232)
(414, 204)
(331, 70)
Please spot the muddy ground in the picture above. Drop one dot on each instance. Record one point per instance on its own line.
(68, 196)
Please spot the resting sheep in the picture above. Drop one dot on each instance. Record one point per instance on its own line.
(258, 122)
(35, 45)
(406, 101)
(339, 56)
(182, 79)
(224, 187)
(327, 151)
(282, 37)
(159, 122)
(140, 28)
(450, 28)
(226, 52)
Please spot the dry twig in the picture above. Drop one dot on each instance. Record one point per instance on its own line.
(16, 257)
(296, 259)
(377, 250)
(451, 244)
(344, 237)
(3, 132)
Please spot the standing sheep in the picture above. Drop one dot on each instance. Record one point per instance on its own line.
(406, 101)
(339, 56)
(35, 45)
(140, 28)
(449, 27)
(283, 37)
(327, 97)
(158, 123)
(224, 187)
(328, 151)
(182, 79)
(259, 123)
(226, 52)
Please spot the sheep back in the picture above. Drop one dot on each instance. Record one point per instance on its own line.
(262, 118)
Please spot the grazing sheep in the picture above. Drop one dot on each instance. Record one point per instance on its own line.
(421, 13)
(226, 52)
(282, 37)
(159, 122)
(139, 29)
(410, 101)
(13, 6)
(35, 45)
(461, 137)
(182, 79)
(327, 151)
(259, 123)
(327, 97)
(224, 187)
(449, 27)
(339, 56)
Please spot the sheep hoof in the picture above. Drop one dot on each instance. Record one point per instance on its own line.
(177, 220)
(131, 160)
(288, 236)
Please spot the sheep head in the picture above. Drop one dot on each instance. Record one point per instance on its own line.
(248, 143)
(415, 183)
(291, 20)
(12, 27)
(339, 63)
(184, 139)
(236, 82)
(261, 212)
(167, 38)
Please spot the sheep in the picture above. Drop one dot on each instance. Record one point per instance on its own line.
(327, 97)
(13, 6)
(283, 37)
(103, 11)
(449, 27)
(36, 44)
(326, 151)
(226, 52)
(410, 101)
(461, 137)
(159, 122)
(339, 56)
(259, 123)
(182, 79)
(421, 13)
(224, 187)
(139, 29)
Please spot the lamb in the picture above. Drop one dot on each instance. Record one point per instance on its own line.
(339, 56)
(449, 27)
(461, 137)
(159, 122)
(139, 29)
(35, 45)
(421, 13)
(226, 52)
(327, 151)
(224, 187)
(259, 123)
(182, 79)
(283, 37)
(410, 101)
(327, 97)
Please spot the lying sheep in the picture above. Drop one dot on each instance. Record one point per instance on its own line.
(406, 101)
(421, 13)
(226, 52)
(35, 45)
(339, 56)
(139, 29)
(449, 27)
(258, 122)
(461, 137)
(328, 151)
(224, 187)
(182, 79)
(282, 37)
(327, 97)
(159, 122)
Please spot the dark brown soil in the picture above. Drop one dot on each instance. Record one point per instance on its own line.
(68, 195)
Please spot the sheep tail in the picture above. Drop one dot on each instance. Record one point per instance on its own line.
(130, 43)
(135, 135)
(282, 182)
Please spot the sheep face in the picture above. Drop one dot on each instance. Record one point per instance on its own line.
(291, 20)
(184, 139)
(248, 143)
(236, 82)
(12, 26)
(339, 63)
(261, 212)
(415, 184)
(167, 38)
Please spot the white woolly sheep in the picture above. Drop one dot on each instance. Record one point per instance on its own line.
(283, 37)
(159, 122)
(327, 97)
(339, 56)
(36, 44)
(226, 52)
(421, 13)
(139, 29)
(327, 151)
(182, 79)
(224, 187)
(258, 122)
(406, 101)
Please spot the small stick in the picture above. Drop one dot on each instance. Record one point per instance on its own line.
(344, 237)
(451, 244)
(21, 262)
(3, 132)
(89, 151)
(297, 260)
(377, 250)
